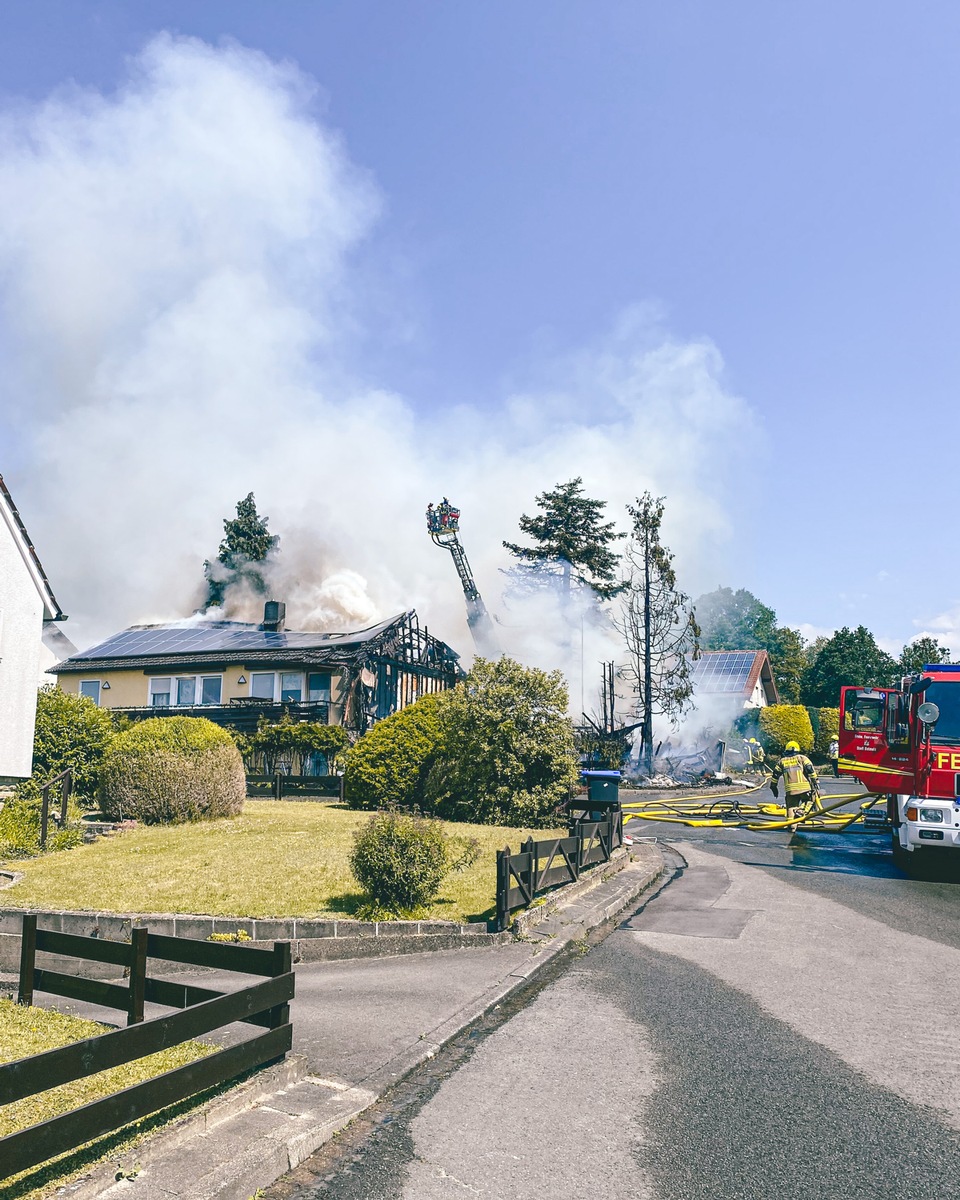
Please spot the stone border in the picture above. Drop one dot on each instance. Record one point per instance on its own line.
(312, 939)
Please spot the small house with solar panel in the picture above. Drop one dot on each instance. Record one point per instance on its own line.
(234, 672)
(742, 676)
(29, 638)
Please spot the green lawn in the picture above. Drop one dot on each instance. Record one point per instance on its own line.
(26, 1031)
(278, 859)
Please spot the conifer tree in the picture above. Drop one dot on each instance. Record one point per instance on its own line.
(246, 542)
(658, 625)
(571, 544)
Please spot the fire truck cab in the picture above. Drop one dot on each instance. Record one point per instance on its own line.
(904, 743)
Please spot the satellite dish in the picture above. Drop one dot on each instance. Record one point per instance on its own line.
(928, 712)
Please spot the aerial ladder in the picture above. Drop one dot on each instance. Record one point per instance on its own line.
(443, 525)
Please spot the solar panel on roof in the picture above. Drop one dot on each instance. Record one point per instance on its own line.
(724, 671)
(216, 637)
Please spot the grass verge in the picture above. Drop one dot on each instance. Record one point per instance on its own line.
(25, 1031)
(277, 859)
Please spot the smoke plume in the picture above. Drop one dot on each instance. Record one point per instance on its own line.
(181, 311)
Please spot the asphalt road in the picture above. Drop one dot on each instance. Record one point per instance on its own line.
(782, 1019)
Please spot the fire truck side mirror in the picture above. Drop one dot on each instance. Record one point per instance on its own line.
(919, 686)
(928, 712)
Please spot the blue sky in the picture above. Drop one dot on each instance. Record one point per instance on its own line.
(776, 181)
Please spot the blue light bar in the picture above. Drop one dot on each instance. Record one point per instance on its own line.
(953, 667)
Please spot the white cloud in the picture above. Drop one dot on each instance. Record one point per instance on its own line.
(178, 302)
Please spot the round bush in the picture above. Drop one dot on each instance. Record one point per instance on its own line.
(168, 770)
(390, 763)
(400, 861)
(506, 752)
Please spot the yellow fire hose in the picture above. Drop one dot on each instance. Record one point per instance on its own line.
(697, 812)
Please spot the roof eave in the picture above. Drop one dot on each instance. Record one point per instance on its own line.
(14, 522)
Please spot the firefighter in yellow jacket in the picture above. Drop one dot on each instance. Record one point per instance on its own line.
(799, 780)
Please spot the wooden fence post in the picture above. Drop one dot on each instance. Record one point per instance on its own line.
(44, 813)
(503, 888)
(530, 847)
(28, 958)
(66, 788)
(138, 974)
(282, 965)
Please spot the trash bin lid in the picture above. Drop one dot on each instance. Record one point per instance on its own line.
(600, 774)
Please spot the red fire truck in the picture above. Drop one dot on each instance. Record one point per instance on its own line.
(904, 743)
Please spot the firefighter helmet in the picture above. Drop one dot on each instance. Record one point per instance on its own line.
(792, 746)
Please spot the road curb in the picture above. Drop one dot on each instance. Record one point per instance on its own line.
(239, 1143)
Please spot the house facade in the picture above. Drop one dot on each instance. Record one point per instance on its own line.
(28, 612)
(234, 672)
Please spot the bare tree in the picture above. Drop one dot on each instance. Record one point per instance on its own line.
(658, 624)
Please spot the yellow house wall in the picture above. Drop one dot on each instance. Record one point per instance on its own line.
(131, 689)
(128, 689)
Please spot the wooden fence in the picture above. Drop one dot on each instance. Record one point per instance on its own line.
(294, 787)
(540, 866)
(263, 1004)
(65, 779)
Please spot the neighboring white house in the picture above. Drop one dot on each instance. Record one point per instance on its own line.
(27, 609)
(742, 676)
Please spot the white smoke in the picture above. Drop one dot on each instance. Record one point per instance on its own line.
(181, 316)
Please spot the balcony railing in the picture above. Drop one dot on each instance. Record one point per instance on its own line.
(242, 713)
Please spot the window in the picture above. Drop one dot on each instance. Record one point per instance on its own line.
(945, 694)
(318, 686)
(160, 692)
(291, 687)
(210, 689)
(262, 686)
(91, 689)
(186, 690)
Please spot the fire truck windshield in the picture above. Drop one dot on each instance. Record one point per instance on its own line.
(946, 696)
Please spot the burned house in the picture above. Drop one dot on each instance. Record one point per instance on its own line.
(235, 673)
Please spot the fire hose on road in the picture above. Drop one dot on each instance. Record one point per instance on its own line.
(700, 812)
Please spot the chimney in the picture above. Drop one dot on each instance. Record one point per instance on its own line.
(274, 612)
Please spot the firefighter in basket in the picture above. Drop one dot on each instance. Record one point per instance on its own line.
(799, 781)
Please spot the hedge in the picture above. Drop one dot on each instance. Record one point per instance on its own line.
(828, 729)
(782, 723)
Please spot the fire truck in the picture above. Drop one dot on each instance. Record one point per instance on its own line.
(904, 743)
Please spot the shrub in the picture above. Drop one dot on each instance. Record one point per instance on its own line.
(506, 753)
(293, 742)
(782, 723)
(389, 764)
(400, 860)
(167, 770)
(71, 731)
(20, 823)
(828, 729)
